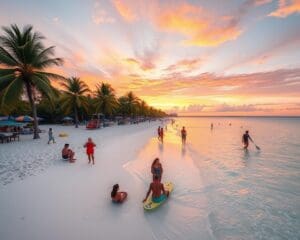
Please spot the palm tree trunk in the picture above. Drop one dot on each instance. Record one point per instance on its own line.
(34, 113)
(76, 116)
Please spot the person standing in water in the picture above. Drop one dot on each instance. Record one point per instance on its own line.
(158, 133)
(156, 169)
(89, 145)
(211, 126)
(162, 134)
(245, 139)
(183, 135)
(50, 135)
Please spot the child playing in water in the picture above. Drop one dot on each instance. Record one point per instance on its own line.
(89, 145)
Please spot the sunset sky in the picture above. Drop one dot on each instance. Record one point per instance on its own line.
(197, 57)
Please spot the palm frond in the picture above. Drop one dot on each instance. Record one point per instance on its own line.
(12, 92)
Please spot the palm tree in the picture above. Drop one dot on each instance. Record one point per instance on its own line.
(105, 99)
(143, 108)
(132, 102)
(73, 96)
(23, 60)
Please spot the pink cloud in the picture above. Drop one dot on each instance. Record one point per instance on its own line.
(125, 10)
(286, 8)
(100, 15)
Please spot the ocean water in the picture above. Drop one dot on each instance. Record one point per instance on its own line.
(222, 191)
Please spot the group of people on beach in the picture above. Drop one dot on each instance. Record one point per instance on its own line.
(156, 187)
(68, 154)
(160, 134)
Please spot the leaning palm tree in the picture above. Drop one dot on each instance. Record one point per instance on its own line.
(73, 96)
(23, 61)
(105, 99)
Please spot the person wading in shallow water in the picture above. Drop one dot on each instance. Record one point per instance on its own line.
(245, 139)
(158, 133)
(183, 135)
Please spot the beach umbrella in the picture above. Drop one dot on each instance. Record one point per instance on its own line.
(24, 119)
(67, 119)
(7, 118)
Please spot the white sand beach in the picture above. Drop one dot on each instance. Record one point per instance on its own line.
(42, 197)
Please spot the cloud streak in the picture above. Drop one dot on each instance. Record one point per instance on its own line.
(286, 8)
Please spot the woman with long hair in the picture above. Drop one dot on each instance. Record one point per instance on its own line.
(117, 197)
(156, 169)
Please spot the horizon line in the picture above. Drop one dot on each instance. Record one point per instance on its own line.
(267, 116)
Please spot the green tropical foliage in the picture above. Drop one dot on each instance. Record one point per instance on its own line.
(25, 85)
(105, 99)
(23, 61)
(73, 97)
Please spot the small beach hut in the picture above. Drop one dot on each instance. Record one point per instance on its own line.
(67, 121)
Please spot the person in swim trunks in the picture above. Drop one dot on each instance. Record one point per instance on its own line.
(68, 154)
(158, 191)
(117, 197)
(245, 139)
(89, 145)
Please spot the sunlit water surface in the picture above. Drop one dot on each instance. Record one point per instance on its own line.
(222, 191)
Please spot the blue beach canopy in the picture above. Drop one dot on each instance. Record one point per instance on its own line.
(8, 123)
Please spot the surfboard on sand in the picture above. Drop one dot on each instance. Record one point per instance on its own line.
(149, 205)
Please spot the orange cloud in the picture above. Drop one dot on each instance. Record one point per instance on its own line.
(124, 10)
(198, 25)
(185, 65)
(286, 8)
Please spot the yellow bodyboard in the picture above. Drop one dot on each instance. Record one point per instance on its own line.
(149, 205)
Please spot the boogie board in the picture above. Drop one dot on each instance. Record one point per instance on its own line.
(149, 205)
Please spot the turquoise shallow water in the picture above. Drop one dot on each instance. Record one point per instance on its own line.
(222, 191)
(253, 194)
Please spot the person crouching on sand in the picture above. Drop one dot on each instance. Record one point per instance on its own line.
(89, 145)
(68, 154)
(117, 197)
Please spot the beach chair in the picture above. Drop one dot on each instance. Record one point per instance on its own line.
(15, 136)
(4, 138)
